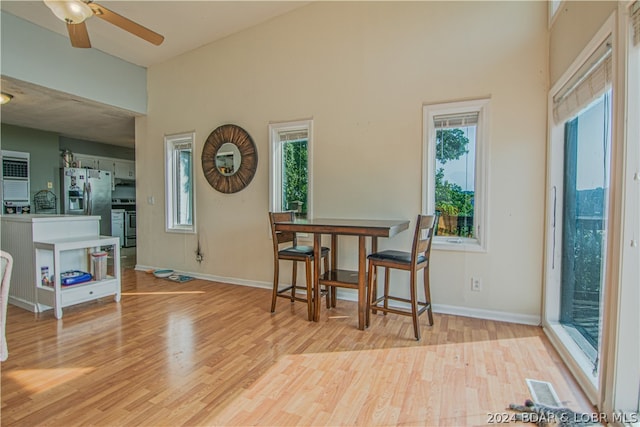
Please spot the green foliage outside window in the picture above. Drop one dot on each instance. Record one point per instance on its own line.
(451, 200)
(296, 180)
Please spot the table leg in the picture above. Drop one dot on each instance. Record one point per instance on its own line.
(333, 291)
(374, 248)
(362, 283)
(317, 250)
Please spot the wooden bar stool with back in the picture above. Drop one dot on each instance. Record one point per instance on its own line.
(294, 253)
(414, 261)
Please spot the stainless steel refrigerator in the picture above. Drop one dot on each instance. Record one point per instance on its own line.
(87, 192)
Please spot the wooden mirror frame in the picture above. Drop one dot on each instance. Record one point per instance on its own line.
(248, 163)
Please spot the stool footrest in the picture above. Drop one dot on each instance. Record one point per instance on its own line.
(422, 306)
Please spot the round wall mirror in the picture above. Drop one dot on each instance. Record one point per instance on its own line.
(229, 158)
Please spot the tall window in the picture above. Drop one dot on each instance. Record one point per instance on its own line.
(455, 172)
(578, 225)
(290, 173)
(584, 214)
(179, 182)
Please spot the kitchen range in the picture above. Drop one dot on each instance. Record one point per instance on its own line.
(123, 220)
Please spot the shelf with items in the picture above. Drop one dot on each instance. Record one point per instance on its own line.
(55, 257)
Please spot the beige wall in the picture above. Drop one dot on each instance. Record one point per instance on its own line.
(362, 71)
(576, 22)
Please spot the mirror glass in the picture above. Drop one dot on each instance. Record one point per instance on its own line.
(228, 159)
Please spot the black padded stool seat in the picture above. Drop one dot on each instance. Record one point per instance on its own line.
(396, 256)
(303, 251)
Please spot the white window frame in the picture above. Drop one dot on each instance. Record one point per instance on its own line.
(275, 167)
(622, 378)
(481, 195)
(171, 142)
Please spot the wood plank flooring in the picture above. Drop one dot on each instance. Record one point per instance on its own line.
(211, 354)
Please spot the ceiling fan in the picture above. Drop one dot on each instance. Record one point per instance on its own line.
(74, 13)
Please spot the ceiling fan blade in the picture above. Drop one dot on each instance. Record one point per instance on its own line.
(79, 35)
(126, 24)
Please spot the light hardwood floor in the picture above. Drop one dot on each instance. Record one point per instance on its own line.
(205, 353)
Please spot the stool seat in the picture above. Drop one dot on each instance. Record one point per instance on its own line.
(395, 256)
(301, 251)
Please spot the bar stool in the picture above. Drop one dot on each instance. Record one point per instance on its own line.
(414, 261)
(295, 254)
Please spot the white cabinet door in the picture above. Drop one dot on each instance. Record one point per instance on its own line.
(125, 169)
(105, 164)
(84, 161)
(132, 170)
(119, 168)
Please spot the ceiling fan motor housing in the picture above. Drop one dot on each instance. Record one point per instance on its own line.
(70, 11)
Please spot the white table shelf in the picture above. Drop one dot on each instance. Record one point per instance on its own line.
(73, 254)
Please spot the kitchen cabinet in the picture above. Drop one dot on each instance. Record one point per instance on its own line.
(124, 169)
(84, 161)
(52, 257)
(120, 168)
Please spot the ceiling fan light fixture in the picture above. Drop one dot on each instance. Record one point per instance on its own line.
(70, 11)
(5, 98)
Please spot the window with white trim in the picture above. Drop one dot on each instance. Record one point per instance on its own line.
(179, 188)
(290, 169)
(454, 172)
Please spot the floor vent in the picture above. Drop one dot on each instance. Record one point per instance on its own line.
(542, 392)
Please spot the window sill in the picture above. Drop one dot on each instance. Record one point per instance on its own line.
(181, 230)
(457, 245)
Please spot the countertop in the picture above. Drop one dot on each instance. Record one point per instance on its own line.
(47, 218)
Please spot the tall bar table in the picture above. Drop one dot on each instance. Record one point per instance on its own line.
(362, 228)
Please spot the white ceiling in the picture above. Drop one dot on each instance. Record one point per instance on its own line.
(186, 25)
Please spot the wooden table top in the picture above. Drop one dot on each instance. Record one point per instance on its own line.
(353, 227)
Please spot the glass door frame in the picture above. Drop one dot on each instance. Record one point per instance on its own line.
(579, 364)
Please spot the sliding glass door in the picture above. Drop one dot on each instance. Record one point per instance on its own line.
(584, 224)
(579, 176)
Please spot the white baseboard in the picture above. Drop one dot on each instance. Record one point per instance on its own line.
(349, 295)
(26, 305)
(501, 316)
(213, 278)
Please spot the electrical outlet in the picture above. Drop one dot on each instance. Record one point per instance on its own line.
(476, 284)
(49, 185)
